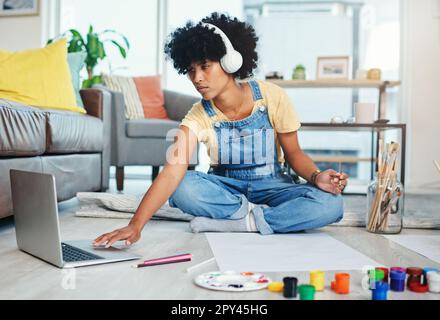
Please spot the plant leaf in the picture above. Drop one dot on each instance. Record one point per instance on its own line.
(91, 62)
(121, 49)
(75, 45)
(127, 44)
(76, 35)
(96, 80)
(93, 45)
(101, 50)
(88, 83)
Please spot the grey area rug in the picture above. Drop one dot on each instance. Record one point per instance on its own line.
(421, 211)
(120, 206)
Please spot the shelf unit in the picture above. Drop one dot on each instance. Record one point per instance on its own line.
(362, 127)
(379, 128)
(381, 85)
(334, 83)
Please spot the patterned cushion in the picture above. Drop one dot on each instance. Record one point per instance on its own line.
(76, 62)
(126, 85)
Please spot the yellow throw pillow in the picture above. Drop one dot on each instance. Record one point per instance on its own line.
(38, 77)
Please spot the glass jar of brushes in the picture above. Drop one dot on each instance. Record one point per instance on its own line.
(385, 195)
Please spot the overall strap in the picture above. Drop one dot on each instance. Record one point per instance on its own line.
(208, 108)
(256, 92)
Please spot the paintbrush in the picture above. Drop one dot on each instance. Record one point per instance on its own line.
(386, 186)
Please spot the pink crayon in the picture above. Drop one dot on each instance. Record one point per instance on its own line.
(165, 260)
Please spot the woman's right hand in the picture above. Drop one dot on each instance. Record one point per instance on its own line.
(130, 234)
(159, 192)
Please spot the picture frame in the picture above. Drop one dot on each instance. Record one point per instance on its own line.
(333, 67)
(17, 8)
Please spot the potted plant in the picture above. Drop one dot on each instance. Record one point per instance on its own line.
(93, 45)
(299, 73)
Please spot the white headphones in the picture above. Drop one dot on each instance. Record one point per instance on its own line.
(232, 60)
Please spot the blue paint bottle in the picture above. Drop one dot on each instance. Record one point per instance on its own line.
(380, 290)
(397, 280)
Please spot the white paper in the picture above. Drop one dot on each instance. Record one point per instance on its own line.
(426, 245)
(284, 252)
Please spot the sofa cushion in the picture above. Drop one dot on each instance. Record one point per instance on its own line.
(150, 128)
(71, 132)
(76, 62)
(22, 130)
(126, 85)
(38, 77)
(151, 95)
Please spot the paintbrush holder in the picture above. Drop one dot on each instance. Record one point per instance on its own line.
(385, 206)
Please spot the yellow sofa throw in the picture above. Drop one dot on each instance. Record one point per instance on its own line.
(38, 77)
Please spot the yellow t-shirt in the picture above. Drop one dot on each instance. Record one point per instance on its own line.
(282, 117)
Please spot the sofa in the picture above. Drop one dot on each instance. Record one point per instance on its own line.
(72, 146)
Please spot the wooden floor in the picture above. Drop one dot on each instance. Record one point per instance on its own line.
(25, 277)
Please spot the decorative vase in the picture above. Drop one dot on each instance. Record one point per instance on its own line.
(385, 206)
(299, 73)
(374, 74)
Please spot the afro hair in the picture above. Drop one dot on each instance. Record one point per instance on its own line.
(197, 43)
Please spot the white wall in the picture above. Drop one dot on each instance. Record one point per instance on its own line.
(29, 32)
(421, 92)
(19, 33)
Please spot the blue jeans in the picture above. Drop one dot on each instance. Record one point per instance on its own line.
(291, 207)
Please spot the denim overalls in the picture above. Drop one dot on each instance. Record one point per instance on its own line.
(248, 170)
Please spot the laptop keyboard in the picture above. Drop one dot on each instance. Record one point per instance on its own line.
(73, 254)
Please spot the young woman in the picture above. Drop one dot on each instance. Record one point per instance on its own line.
(250, 129)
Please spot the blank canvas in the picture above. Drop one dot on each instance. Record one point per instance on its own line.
(426, 245)
(284, 252)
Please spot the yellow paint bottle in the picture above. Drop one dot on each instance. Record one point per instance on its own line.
(317, 279)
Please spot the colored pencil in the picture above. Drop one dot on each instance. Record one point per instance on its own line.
(165, 260)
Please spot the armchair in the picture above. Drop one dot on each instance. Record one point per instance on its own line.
(143, 141)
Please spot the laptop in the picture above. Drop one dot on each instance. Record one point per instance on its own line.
(34, 201)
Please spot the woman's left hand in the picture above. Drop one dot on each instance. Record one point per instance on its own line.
(331, 181)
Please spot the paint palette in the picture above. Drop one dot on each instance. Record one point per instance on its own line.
(232, 281)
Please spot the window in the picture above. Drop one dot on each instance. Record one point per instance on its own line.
(136, 19)
(349, 167)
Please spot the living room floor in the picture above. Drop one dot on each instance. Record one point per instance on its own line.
(25, 277)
